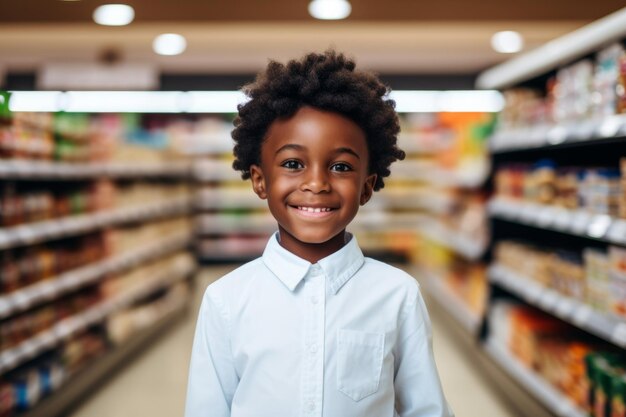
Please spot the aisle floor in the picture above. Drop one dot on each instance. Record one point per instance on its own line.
(154, 384)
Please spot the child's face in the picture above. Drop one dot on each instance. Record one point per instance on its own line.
(314, 174)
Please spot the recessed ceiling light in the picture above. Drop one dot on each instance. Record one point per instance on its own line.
(507, 42)
(114, 15)
(169, 44)
(330, 9)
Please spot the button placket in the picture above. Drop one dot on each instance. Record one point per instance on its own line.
(314, 339)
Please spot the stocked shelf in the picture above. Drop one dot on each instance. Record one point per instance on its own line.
(231, 249)
(452, 239)
(470, 175)
(214, 170)
(557, 146)
(575, 222)
(11, 358)
(223, 223)
(41, 170)
(400, 198)
(75, 389)
(586, 132)
(225, 198)
(28, 234)
(55, 287)
(609, 328)
(455, 306)
(550, 397)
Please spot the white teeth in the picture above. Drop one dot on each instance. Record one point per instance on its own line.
(313, 209)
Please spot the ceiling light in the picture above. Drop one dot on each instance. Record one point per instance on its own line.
(227, 101)
(507, 42)
(330, 9)
(169, 44)
(447, 101)
(114, 15)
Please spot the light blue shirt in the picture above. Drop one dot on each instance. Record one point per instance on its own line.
(281, 337)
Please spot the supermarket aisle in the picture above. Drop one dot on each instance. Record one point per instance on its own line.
(154, 384)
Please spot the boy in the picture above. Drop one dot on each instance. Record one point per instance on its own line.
(312, 328)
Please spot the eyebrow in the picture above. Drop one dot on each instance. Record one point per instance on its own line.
(297, 147)
(347, 150)
(289, 146)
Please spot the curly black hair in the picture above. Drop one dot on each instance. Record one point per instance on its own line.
(325, 81)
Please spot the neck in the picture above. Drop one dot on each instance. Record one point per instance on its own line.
(312, 252)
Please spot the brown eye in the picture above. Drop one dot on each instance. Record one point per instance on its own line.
(292, 164)
(341, 167)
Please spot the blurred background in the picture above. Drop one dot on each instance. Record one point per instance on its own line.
(118, 203)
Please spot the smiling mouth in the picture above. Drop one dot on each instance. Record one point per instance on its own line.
(313, 211)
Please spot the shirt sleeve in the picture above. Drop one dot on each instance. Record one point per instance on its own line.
(212, 375)
(417, 385)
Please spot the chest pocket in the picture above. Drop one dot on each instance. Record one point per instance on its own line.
(359, 362)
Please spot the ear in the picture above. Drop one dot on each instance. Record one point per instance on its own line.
(368, 189)
(258, 181)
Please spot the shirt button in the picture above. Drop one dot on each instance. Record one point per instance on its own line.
(314, 300)
(313, 348)
(311, 406)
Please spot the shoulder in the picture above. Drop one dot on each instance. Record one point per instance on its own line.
(392, 275)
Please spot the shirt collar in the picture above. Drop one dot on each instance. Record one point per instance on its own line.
(338, 267)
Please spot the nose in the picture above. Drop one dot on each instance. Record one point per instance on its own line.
(316, 181)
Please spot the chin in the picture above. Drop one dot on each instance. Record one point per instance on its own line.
(314, 239)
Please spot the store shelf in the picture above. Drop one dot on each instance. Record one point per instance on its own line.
(451, 303)
(215, 170)
(55, 287)
(571, 310)
(574, 222)
(77, 387)
(469, 173)
(452, 239)
(228, 198)
(11, 358)
(231, 249)
(548, 395)
(611, 129)
(229, 224)
(31, 233)
(556, 53)
(425, 143)
(42, 170)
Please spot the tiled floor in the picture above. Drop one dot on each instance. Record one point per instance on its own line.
(155, 383)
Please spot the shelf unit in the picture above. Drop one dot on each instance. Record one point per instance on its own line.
(579, 223)
(75, 390)
(552, 399)
(28, 234)
(53, 288)
(609, 328)
(120, 257)
(530, 143)
(447, 178)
